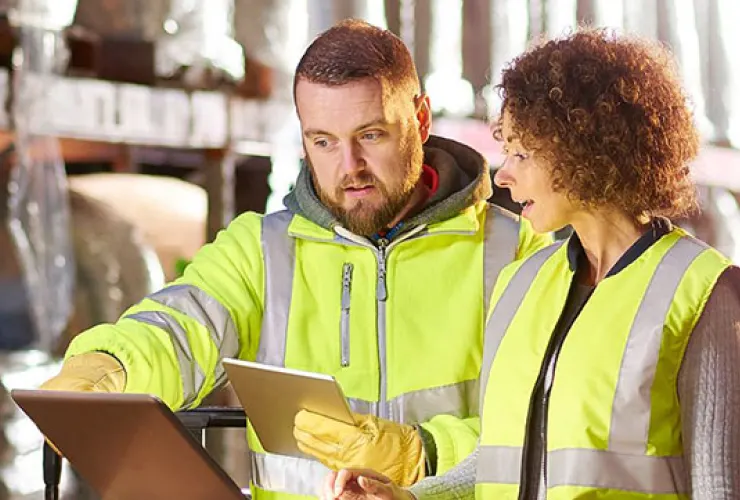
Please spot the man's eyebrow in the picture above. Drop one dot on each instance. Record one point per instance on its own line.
(310, 132)
(372, 123)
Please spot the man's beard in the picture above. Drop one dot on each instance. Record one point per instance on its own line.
(365, 218)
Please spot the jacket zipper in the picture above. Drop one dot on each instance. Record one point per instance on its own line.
(344, 321)
(381, 297)
(382, 250)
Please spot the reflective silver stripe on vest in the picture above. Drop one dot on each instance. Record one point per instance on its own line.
(298, 476)
(630, 422)
(588, 468)
(190, 372)
(500, 244)
(499, 464)
(609, 470)
(506, 308)
(278, 253)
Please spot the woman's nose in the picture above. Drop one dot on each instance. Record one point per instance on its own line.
(503, 178)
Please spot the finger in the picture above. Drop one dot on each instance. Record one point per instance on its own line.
(377, 476)
(345, 477)
(375, 487)
(321, 426)
(327, 490)
(316, 445)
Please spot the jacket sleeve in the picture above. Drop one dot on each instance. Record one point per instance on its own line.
(453, 439)
(171, 343)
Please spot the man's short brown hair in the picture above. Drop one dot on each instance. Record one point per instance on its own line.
(354, 50)
(609, 116)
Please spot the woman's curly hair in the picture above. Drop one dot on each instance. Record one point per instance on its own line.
(609, 116)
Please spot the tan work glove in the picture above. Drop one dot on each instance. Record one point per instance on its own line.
(88, 372)
(394, 450)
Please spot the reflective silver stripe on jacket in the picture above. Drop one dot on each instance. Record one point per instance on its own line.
(297, 476)
(624, 465)
(499, 247)
(278, 253)
(208, 312)
(419, 406)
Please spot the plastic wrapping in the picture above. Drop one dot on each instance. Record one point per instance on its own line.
(115, 266)
(38, 208)
(198, 36)
(48, 15)
(275, 33)
(132, 19)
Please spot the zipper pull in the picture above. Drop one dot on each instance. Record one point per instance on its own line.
(344, 321)
(346, 285)
(382, 291)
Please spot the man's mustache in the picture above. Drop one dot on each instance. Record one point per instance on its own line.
(358, 181)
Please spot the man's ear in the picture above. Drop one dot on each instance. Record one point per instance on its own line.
(423, 116)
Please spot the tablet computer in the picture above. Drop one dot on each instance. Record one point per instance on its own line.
(127, 446)
(271, 397)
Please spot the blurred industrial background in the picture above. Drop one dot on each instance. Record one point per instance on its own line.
(131, 131)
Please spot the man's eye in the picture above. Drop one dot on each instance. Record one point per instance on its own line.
(371, 136)
(521, 156)
(320, 143)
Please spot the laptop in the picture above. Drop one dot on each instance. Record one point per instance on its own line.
(127, 446)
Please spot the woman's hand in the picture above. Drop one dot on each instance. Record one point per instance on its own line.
(361, 484)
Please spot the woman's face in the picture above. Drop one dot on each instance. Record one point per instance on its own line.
(529, 179)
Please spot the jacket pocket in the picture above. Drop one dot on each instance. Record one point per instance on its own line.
(344, 321)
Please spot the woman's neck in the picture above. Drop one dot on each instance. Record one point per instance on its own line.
(605, 237)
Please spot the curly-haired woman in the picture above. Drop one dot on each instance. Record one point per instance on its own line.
(612, 360)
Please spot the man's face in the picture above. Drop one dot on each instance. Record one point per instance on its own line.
(364, 149)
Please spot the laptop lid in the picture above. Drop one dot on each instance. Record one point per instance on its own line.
(127, 446)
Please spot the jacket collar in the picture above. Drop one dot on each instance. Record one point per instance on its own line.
(659, 227)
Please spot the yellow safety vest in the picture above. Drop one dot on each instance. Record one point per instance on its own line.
(613, 419)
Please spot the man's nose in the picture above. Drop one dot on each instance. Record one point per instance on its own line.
(352, 158)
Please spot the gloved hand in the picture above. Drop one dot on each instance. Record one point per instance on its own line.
(394, 450)
(89, 372)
